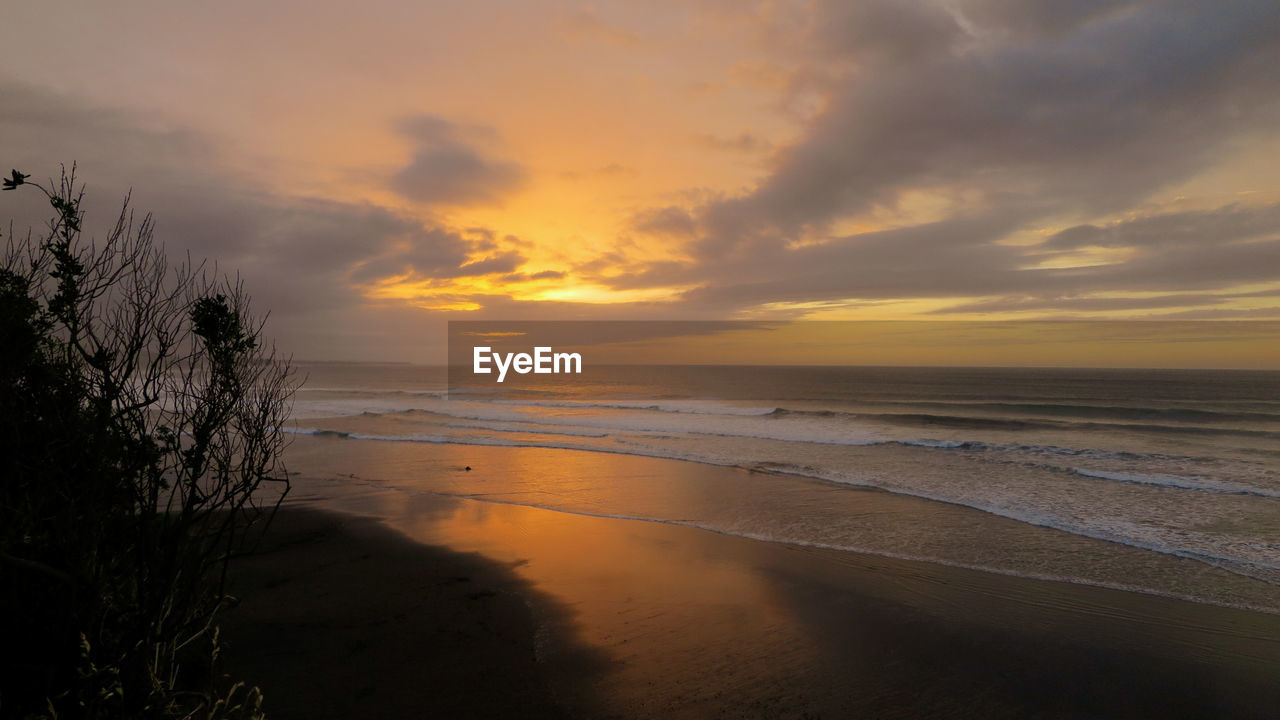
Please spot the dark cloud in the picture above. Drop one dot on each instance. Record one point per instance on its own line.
(448, 167)
(957, 258)
(411, 250)
(301, 258)
(1036, 19)
(945, 258)
(1203, 267)
(1155, 302)
(670, 220)
(1262, 313)
(885, 30)
(483, 238)
(1034, 111)
(1092, 119)
(500, 263)
(519, 277)
(1209, 227)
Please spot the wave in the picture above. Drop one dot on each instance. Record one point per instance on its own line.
(758, 424)
(1056, 450)
(743, 424)
(841, 547)
(693, 407)
(751, 426)
(1116, 412)
(689, 418)
(1178, 481)
(518, 428)
(373, 392)
(963, 422)
(679, 403)
(452, 440)
(1115, 531)
(978, 422)
(823, 425)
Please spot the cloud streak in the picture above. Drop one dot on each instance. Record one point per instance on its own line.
(306, 259)
(448, 166)
(930, 158)
(1013, 115)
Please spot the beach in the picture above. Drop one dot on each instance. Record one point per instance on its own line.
(340, 617)
(762, 542)
(356, 606)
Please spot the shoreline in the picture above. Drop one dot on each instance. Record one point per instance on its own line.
(340, 617)
(799, 545)
(634, 619)
(832, 515)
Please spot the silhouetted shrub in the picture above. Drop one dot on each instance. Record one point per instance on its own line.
(140, 415)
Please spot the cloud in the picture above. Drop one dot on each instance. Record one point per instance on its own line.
(304, 259)
(1001, 118)
(1046, 18)
(610, 170)
(549, 275)
(670, 220)
(885, 30)
(448, 168)
(1092, 119)
(1073, 303)
(1210, 251)
(1016, 115)
(500, 263)
(744, 142)
(940, 259)
(586, 23)
(519, 277)
(1226, 224)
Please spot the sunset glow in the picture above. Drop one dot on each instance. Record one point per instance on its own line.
(419, 162)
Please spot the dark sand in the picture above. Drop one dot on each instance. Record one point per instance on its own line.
(341, 617)
(345, 618)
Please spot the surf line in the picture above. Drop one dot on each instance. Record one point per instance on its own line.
(543, 361)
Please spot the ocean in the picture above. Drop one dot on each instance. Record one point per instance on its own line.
(1157, 481)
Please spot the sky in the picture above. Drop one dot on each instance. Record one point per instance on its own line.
(374, 170)
(1164, 344)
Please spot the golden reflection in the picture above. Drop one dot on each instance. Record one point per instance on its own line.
(635, 590)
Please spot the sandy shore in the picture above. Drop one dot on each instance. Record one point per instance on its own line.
(562, 614)
(341, 617)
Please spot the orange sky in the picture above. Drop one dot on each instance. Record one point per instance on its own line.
(973, 159)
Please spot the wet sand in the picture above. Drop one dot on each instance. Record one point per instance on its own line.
(579, 616)
(341, 617)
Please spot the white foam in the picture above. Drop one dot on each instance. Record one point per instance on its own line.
(940, 444)
(843, 547)
(695, 407)
(1178, 481)
(1034, 483)
(757, 424)
(1003, 501)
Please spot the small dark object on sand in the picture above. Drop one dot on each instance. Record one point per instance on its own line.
(467, 468)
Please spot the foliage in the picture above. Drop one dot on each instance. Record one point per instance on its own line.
(140, 416)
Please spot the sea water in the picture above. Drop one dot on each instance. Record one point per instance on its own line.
(1161, 481)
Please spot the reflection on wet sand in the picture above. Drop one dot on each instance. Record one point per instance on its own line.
(698, 624)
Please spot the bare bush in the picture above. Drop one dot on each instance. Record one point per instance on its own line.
(141, 424)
